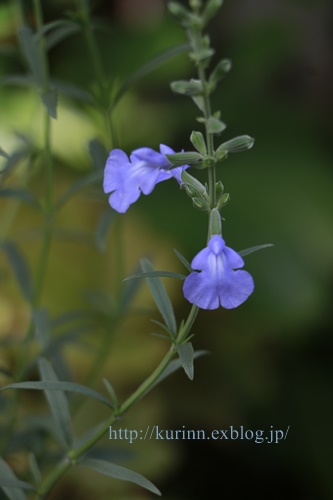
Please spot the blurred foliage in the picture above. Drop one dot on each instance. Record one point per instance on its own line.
(271, 359)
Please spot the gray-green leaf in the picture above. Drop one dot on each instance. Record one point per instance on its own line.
(186, 355)
(12, 486)
(190, 88)
(58, 403)
(20, 268)
(50, 101)
(31, 53)
(214, 125)
(160, 297)
(247, 251)
(118, 472)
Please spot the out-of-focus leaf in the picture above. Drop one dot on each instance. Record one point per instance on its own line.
(160, 297)
(148, 68)
(186, 353)
(112, 393)
(117, 472)
(4, 154)
(156, 274)
(34, 468)
(12, 486)
(71, 90)
(21, 194)
(247, 251)
(98, 153)
(190, 88)
(88, 180)
(57, 401)
(61, 33)
(103, 227)
(215, 126)
(41, 319)
(20, 80)
(20, 268)
(128, 292)
(50, 101)
(31, 53)
(183, 260)
(59, 386)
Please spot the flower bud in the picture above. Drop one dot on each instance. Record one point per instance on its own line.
(215, 223)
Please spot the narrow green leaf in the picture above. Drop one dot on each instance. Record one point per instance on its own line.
(59, 386)
(58, 402)
(72, 90)
(41, 320)
(50, 101)
(34, 468)
(98, 153)
(215, 126)
(171, 368)
(247, 251)
(12, 486)
(47, 27)
(117, 472)
(102, 228)
(21, 194)
(148, 68)
(31, 53)
(60, 34)
(112, 393)
(4, 154)
(160, 297)
(155, 274)
(128, 292)
(186, 356)
(19, 80)
(85, 181)
(183, 260)
(20, 268)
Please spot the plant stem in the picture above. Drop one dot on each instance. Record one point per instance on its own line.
(74, 455)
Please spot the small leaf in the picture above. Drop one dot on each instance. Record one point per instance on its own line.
(21, 194)
(10, 484)
(102, 228)
(211, 10)
(171, 368)
(50, 101)
(181, 159)
(201, 55)
(186, 353)
(58, 35)
(88, 180)
(198, 142)
(200, 102)
(193, 186)
(247, 251)
(148, 68)
(117, 472)
(98, 153)
(160, 297)
(31, 53)
(189, 88)
(20, 269)
(183, 260)
(112, 393)
(57, 401)
(223, 200)
(215, 126)
(155, 274)
(72, 90)
(222, 68)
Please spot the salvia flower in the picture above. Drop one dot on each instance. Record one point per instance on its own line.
(218, 283)
(126, 178)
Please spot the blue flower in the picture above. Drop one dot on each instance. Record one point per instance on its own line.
(126, 178)
(218, 284)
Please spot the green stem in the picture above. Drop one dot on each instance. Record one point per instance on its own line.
(74, 455)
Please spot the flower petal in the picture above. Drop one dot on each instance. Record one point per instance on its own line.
(236, 287)
(198, 290)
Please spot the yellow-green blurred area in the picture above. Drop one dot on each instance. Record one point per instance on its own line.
(270, 361)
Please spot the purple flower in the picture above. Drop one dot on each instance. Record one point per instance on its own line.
(127, 178)
(218, 284)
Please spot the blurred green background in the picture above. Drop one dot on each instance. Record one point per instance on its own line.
(270, 361)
